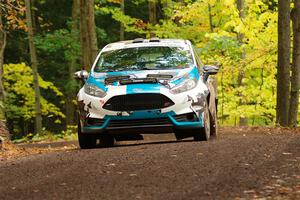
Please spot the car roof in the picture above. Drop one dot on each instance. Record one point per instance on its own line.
(140, 42)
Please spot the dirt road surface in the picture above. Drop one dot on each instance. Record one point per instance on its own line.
(236, 166)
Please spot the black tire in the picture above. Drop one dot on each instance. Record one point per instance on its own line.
(183, 134)
(214, 123)
(86, 141)
(107, 141)
(203, 134)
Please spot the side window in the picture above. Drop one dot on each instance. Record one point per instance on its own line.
(198, 61)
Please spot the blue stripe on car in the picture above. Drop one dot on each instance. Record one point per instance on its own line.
(193, 74)
(124, 73)
(143, 88)
(92, 80)
(197, 124)
(102, 127)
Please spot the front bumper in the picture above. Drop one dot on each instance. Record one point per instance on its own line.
(167, 124)
(97, 117)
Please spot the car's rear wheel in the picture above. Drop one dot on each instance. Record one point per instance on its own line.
(107, 141)
(214, 123)
(203, 134)
(86, 141)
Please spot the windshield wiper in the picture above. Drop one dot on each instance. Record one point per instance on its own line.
(138, 80)
(112, 79)
(160, 76)
(146, 68)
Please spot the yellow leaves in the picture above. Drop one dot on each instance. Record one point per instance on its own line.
(18, 82)
(115, 1)
(57, 121)
(218, 34)
(195, 13)
(229, 2)
(48, 85)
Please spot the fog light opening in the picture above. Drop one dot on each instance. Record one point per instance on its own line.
(191, 117)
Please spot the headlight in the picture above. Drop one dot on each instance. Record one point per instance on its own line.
(186, 85)
(93, 90)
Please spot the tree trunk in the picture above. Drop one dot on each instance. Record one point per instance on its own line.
(241, 8)
(122, 33)
(2, 48)
(70, 107)
(152, 14)
(210, 18)
(33, 16)
(283, 68)
(4, 134)
(88, 37)
(295, 79)
(34, 63)
(165, 8)
(240, 4)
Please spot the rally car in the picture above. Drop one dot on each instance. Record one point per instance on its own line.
(146, 86)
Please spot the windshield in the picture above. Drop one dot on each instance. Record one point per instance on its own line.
(144, 58)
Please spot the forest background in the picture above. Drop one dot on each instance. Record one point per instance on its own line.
(241, 36)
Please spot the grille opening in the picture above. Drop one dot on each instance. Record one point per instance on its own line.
(190, 117)
(133, 102)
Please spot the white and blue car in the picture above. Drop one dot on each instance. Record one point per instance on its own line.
(146, 86)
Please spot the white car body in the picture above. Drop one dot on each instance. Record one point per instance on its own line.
(180, 110)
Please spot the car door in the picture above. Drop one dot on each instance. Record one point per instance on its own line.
(211, 83)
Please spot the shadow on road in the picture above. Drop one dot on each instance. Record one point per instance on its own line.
(143, 142)
(148, 140)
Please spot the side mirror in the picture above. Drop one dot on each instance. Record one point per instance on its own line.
(81, 75)
(210, 70)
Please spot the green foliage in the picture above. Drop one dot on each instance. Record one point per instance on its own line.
(131, 24)
(66, 43)
(60, 40)
(19, 104)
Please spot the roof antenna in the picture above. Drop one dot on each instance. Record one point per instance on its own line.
(154, 39)
(138, 40)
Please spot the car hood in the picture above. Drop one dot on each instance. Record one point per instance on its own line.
(134, 79)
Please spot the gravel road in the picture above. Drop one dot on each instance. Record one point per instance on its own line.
(232, 167)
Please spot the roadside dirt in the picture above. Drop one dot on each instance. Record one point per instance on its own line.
(11, 151)
(245, 163)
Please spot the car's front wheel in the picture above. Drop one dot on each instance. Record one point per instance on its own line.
(107, 141)
(86, 141)
(203, 134)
